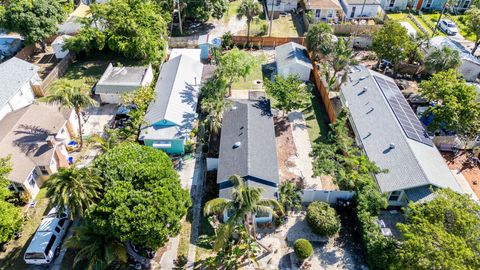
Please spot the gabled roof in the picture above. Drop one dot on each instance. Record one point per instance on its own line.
(176, 92)
(292, 53)
(118, 80)
(247, 144)
(410, 163)
(14, 73)
(323, 4)
(440, 42)
(361, 2)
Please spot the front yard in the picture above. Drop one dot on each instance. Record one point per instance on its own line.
(403, 17)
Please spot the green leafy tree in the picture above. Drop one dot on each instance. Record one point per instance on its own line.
(456, 107)
(98, 250)
(35, 20)
(288, 92)
(320, 41)
(472, 23)
(144, 201)
(249, 9)
(290, 196)
(5, 169)
(73, 97)
(441, 234)
(141, 98)
(202, 10)
(323, 219)
(107, 141)
(392, 42)
(443, 59)
(11, 218)
(135, 28)
(342, 57)
(234, 65)
(77, 189)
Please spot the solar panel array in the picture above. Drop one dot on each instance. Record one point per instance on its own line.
(403, 112)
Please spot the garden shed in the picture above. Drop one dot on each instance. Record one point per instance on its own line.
(292, 58)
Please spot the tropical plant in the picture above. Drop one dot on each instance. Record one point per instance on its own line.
(342, 57)
(98, 250)
(290, 196)
(472, 24)
(213, 102)
(443, 59)
(302, 248)
(249, 9)
(70, 96)
(288, 92)
(320, 41)
(107, 141)
(245, 203)
(12, 219)
(76, 189)
(234, 65)
(227, 40)
(323, 219)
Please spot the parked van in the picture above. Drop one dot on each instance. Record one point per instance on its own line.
(48, 238)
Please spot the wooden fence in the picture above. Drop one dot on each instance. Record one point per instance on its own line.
(57, 71)
(323, 92)
(267, 41)
(26, 52)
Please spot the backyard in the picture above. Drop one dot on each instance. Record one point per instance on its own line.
(255, 79)
(284, 26)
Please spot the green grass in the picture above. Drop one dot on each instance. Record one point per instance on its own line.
(282, 27)
(403, 17)
(256, 74)
(231, 12)
(184, 243)
(317, 121)
(13, 257)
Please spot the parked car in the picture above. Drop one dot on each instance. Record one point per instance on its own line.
(448, 27)
(47, 240)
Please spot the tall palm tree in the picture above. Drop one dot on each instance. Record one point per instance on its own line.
(77, 189)
(443, 59)
(70, 96)
(245, 203)
(290, 196)
(249, 9)
(320, 41)
(98, 250)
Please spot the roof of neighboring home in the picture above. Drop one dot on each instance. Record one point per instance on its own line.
(23, 135)
(247, 144)
(362, 2)
(176, 98)
(292, 53)
(119, 80)
(440, 42)
(14, 73)
(323, 4)
(411, 163)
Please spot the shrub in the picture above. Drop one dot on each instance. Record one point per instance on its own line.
(227, 40)
(323, 219)
(303, 248)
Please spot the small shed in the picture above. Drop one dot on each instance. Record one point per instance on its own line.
(57, 46)
(292, 58)
(205, 43)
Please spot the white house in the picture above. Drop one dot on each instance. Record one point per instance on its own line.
(281, 6)
(470, 67)
(325, 10)
(394, 4)
(35, 138)
(16, 77)
(57, 45)
(355, 9)
(292, 58)
(117, 81)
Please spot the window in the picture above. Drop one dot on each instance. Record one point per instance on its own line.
(466, 4)
(34, 256)
(50, 244)
(392, 3)
(57, 229)
(353, 12)
(318, 13)
(43, 170)
(429, 3)
(32, 178)
(394, 196)
(62, 222)
(279, 2)
(330, 13)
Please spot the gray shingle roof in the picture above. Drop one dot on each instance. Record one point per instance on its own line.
(249, 123)
(14, 73)
(410, 163)
(291, 54)
(119, 80)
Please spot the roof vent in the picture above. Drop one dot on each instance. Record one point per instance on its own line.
(362, 78)
(234, 108)
(392, 146)
(237, 145)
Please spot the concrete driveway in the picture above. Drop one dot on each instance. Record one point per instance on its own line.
(97, 118)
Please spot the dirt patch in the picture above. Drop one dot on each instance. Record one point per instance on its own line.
(366, 58)
(466, 166)
(285, 150)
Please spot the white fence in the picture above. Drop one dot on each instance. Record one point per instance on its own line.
(328, 196)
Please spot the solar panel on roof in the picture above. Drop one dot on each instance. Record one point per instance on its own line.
(403, 112)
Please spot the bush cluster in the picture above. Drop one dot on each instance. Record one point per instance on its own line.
(323, 219)
(302, 248)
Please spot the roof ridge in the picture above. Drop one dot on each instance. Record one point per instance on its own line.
(248, 137)
(173, 82)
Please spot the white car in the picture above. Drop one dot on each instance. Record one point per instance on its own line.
(448, 27)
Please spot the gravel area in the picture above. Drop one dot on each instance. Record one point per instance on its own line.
(463, 164)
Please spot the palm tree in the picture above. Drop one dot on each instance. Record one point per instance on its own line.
(106, 142)
(70, 96)
(249, 9)
(99, 250)
(245, 202)
(77, 189)
(320, 41)
(290, 196)
(443, 59)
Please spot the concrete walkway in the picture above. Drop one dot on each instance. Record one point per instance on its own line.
(303, 161)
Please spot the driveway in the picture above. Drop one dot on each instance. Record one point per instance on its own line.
(97, 118)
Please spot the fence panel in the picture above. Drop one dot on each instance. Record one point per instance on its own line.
(322, 91)
(328, 196)
(57, 71)
(267, 41)
(183, 42)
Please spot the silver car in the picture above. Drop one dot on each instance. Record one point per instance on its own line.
(448, 27)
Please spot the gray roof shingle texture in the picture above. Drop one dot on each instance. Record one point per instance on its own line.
(118, 80)
(292, 54)
(14, 73)
(410, 164)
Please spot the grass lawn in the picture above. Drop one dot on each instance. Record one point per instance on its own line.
(232, 11)
(317, 121)
(282, 27)
(249, 82)
(184, 243)
(402, 17)
(12, 258)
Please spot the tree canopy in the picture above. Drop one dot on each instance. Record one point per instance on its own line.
(443, 59)
(456, 108)
(289, 93)
(11, 218)
(391, 42)
(134, 28)
(202, 10)
(236, 64)
(144, 201)
(472, 23)
(34, 20)
(320, 40)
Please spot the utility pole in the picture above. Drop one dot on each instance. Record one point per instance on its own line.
(179, 16)
(271, 20)
(439, 18)
(358, 23)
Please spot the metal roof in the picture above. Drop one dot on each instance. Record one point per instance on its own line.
(119, 80)
(247, 145)
(440, 42)
(410, 163)
(14, 73)
(292, 54)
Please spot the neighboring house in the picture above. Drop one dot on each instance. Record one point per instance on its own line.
(455, 6)
(292, 58)
(355, 9)
(470, 67)
(391, 135)
(325, 10)
(170, 117)
(57, 45)
(72, 25)
(394, 4)
(248, 149)
(10, 44)
(281, 6)
(16, 77)
(117, 81)
(35, 138)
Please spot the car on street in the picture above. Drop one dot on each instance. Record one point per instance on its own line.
(448, 27)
